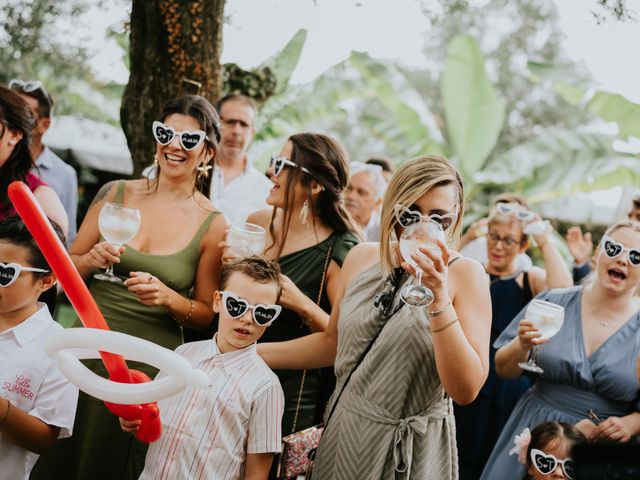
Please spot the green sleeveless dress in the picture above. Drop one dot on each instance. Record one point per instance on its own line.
(305, 268)
(98, 448)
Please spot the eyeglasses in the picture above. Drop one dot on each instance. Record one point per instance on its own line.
(236, 307)
(406, 217)
(9, 272)
(277, 163)
(27, 86)
(164, 135)
(515, 210)
(612, 249)
(546, 464)
(508, 242)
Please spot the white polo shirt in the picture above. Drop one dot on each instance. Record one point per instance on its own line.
(31, 381)
(206, 433)
(242, 196)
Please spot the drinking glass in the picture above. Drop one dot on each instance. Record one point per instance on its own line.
(246, 239)
(547, 318)
(118, 225)
(420, 234)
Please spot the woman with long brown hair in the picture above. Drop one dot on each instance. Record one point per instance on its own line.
(168, 277)
(309, 234)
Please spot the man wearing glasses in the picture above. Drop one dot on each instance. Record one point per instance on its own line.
(237, 188)
(49, 167)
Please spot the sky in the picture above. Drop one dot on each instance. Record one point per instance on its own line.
(385, 28)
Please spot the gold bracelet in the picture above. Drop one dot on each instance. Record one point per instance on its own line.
(437, 313)
(447, 325)
(6, 415)
(187, 317)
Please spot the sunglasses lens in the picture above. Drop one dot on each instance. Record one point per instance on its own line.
(263, 315)
(545, 464)
(162, 134)
(568, 469)
(235, 307)
(612, 249)
(445, 223)
(8, 274)
(278, 165)
(190, 140)
(634, 257)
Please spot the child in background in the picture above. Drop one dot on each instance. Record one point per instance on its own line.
(545, 450)
(37, 404)
(230, 430)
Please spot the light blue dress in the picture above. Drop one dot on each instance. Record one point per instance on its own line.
(572, 383)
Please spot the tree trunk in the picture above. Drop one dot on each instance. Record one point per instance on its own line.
(170, 40)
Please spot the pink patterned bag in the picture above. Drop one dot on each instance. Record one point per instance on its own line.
(298, 452)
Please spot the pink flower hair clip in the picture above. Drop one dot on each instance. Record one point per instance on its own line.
(521, 445)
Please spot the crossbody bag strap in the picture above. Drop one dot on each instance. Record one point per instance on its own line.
(327, 261)
(386, 315)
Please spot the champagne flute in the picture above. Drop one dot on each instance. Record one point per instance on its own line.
(547, 318)
(118, 225)
(420, 234)
(246, 239)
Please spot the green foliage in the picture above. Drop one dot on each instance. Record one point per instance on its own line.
(284, 62)
(258, 83)
(474, 113)
(33, 46)
(615, 108)
(559, 164)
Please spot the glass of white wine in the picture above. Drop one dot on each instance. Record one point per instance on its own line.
(547, 318)
(246, 239)
(420, 234)
(118, 225)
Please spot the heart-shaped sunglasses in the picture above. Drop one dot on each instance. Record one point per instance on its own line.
(406, 217)
(612, 249)
(547, 464)
(277, 163)
(9, 272)
(516, 210)
(236, 307)
(164, 135)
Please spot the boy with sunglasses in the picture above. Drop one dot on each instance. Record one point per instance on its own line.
(231, 429)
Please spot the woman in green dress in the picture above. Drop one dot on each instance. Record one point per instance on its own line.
(170, 270)
(309, 233)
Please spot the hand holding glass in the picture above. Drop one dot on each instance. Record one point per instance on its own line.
(118, 225)
(420, 234)
(547, 318)
(246, 239)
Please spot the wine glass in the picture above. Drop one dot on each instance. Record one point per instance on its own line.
(246, 239)
(420, 234)
(547, 318)
(118, 225)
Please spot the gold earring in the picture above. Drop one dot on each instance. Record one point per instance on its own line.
(155, 161)
(304, 211)
(203, 170)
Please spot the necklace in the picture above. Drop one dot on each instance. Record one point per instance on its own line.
(603, 323)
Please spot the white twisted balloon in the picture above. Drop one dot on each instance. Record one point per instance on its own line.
(68, 346)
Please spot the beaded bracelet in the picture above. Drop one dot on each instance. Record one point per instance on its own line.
(444, 327)
(6, 415)
(187, 317)
(437, 313)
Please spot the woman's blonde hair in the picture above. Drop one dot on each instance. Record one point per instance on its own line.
(411, 181)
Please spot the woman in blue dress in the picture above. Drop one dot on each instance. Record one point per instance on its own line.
(590, 364)
(478, 425)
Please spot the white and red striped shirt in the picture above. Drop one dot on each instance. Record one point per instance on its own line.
(208, 432)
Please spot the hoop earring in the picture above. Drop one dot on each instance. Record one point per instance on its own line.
(304, 211)
(203, 170)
